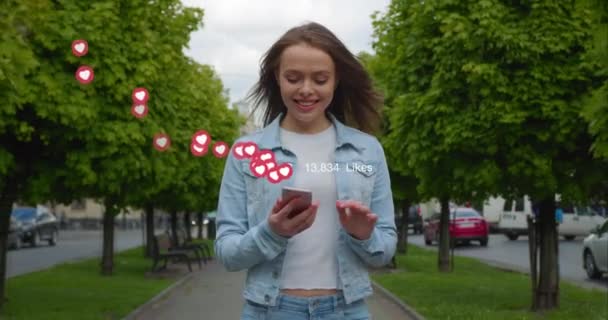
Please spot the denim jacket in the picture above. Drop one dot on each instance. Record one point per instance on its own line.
(244, 238)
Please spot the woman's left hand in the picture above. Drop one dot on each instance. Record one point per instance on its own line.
(358, 220)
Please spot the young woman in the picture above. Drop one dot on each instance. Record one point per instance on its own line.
(319, 110)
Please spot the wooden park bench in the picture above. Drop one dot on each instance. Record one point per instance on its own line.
(164, 251)
(182, 242)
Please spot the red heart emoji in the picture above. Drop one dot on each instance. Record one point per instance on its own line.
(270, 165)
(237, 150)
(80, 47)
(273, 176)
(201, 138)
(139, 110)
(220, 149)
(161, 142)
(264, 156)
(285, 170)
(85, 74)
(249, 149)
(258, 169)
(140, 95)
(197, 150)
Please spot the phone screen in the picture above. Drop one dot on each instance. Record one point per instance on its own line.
(304, 199)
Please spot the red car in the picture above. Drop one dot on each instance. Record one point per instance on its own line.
(466, 224)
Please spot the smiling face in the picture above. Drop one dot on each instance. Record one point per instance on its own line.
(307, 79)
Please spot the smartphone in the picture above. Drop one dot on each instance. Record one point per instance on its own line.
(304, 199)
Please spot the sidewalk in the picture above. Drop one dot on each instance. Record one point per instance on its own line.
(213, 293)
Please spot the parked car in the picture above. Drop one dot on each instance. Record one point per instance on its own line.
(577, 220)
(14, 234)
(414, 219)
(466, 224)
(37, 224)
(595, 252)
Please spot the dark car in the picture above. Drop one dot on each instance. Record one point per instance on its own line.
(37, 225)
(414, 219)
(14, 234)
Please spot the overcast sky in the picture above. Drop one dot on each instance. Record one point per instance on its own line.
(237, 33)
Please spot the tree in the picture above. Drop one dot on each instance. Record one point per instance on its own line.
(595, 110)
(488, 98)
(403, 183)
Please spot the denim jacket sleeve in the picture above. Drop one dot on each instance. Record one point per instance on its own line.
(379, 249)
(238, 245)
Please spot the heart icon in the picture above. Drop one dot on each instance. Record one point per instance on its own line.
(271, 165)
(237, 150)
(285, 170)
(249, 149)
(264, 156)
(273, 176)
(258, 169)
(80, 47)
(161, 142)
(201, 138)
(140, 95)
(197, 150)
(139, 110)
(85, 74)
(220, 149)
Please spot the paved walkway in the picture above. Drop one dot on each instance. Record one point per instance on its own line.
(213, 293)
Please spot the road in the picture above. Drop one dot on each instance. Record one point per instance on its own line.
(72, 245)
(515, 255)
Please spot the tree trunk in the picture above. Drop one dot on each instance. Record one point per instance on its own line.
(188, 225)
(149, 230)
(8, 195)
(533, 251)
(403, 228)
(174, 227)
(443, 260)
(199, 222)
(107, 259)
(547, 290)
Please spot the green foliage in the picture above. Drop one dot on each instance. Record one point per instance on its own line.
(65, 140)
(595, 110)
(485, 97)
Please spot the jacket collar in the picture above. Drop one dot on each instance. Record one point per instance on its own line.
(271, 134)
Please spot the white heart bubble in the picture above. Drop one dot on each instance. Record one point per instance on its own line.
(79, 47)
(270, 165)
(202, 139)
(140, 95)
(260, 169)
(250, 150)
(161, 142)
(140, 109)
(266, 156)
(284, 171)
(85, 74)
(239, 150)
(274, 175)
(220, 149)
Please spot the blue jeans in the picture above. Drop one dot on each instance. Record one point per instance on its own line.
(330, 307)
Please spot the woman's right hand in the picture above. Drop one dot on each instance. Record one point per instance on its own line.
(281, 224)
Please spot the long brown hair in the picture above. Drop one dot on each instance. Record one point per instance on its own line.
(355, 101)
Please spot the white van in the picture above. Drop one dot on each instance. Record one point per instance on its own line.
(577, 221)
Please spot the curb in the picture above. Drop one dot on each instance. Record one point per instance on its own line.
(161, 295)
(388, 295)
